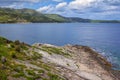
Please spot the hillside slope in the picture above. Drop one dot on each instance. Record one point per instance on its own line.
(57, 17)
(20, 61)
(8, 15)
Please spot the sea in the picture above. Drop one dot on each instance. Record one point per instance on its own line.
(102, 37)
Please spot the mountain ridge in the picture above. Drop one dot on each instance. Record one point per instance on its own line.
(8, 15)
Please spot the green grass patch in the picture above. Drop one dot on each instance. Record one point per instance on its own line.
(3, 75)
(32, 75)
(31, 72)
(54, 50)
(36, 56)
(54, 77)
(18, 75)
(18, 68)
(41, 71)
(42, 65)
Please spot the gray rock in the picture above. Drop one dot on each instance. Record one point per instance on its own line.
(3, 59)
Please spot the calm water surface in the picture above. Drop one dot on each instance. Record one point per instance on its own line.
(103, 37)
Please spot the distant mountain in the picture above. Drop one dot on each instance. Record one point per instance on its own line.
(76, 19)
(8, 15)
(57, 17)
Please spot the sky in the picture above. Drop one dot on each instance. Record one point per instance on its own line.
(89, 9)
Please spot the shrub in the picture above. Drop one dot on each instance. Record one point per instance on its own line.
(8, 41)
(17, 48)
(12, 45)
(17, 42)
(13, 55)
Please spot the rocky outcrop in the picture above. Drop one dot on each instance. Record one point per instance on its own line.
(20, 61)
(82, 63)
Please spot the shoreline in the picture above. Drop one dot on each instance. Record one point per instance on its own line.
(57, 22)
(69, 62)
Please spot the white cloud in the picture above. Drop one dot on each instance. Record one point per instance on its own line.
(80, 4)
(61, 5)
(76, 8)
(28, 0)
(17, 3)
(14, 5)
(33, 0)
(57, 0)
(44, 9)
(20, 1)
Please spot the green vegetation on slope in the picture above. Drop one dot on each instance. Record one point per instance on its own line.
(53, 50)
(57, 18)
(19, 61)
(8, 15)
(105, 21)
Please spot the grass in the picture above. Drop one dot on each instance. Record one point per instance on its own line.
(32, 75)
(41, 71)
(3, 75)
(42, 65)
(54, 50)
(18, 75)
(54, 77)
(31, 72)
(13, 50)
(17, 67)
(17, 51)
(36, 56)
(4, 51)
(33, 78)
(49, 70)
(3, 41)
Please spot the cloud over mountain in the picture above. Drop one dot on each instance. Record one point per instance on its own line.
(105, 9)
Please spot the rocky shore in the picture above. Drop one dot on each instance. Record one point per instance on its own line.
(83, 63)
(49, 62)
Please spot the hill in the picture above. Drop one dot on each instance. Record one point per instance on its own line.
(8, 15)
(57, 17)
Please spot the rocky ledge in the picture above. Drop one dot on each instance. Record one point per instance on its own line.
(20, 61)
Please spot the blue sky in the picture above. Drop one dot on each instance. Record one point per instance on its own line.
(91, 9)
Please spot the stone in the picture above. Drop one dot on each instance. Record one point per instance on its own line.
(3, 59)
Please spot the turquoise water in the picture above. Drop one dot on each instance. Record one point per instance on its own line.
(103, 37)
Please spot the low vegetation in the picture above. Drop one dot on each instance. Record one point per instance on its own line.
(20, 61)
(15, 58)
(54, 50)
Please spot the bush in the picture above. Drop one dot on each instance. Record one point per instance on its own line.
(12, 45)
(8, 41)
(13, 55)
(17, 42)
(17, 48)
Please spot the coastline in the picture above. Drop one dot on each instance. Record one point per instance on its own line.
(69, 62)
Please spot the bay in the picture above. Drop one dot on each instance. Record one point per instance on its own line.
(103, 37)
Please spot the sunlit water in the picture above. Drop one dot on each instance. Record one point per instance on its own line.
(103, 37)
